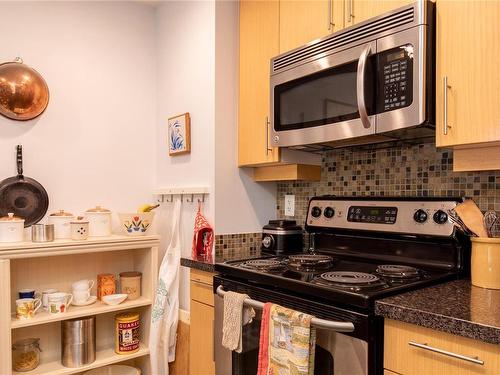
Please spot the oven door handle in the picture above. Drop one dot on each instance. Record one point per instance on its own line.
(360, 87)
(315, 322)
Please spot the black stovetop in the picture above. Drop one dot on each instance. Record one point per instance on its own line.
(307, 281)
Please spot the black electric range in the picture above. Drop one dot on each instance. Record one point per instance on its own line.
(361, 250)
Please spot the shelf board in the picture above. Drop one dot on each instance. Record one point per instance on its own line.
(43, 317)
(103, 357)
(67, 246)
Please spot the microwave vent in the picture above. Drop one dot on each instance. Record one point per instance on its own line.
(324, 47)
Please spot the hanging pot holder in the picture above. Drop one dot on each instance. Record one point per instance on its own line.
(203, 236)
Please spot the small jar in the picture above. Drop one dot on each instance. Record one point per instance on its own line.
(130, 283)
(106, 285)
(26, 354)
(79, 229)
(127, 333)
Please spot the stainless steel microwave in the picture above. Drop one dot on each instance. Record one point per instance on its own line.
(369, 83)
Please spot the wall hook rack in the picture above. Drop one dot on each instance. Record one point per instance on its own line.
(188, 192)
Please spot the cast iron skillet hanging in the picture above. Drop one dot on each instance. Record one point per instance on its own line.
(23, 196)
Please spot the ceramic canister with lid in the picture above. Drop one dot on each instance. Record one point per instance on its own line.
(11, 228)
(62, 223)
(99, 221)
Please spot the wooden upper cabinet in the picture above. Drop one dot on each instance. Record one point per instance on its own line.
(357, 11)
(259, 42)
(304, 21)
(468, 57)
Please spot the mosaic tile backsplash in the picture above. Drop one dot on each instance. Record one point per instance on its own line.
(408, 170)
(231, 245)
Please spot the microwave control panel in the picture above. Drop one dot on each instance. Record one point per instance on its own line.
(396, 77)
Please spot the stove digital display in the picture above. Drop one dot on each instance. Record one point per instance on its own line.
(376, 215)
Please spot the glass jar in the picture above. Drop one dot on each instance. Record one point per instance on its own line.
(26, 354)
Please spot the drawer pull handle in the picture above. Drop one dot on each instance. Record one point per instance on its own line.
(424, 346)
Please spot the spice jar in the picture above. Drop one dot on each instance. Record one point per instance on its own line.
(130, 283)
(127, 333)
(26, 354)
(105, 285)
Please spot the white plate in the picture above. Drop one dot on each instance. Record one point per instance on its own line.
(90, 301)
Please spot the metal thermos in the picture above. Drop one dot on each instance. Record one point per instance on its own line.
(78, 342)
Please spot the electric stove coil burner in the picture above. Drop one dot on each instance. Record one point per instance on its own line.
(262, 264)
(349, 278)
(398, 271)
(310, 261)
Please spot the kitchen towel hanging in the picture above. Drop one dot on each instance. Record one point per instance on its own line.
(165, 313)
(203, 237)
(236, 315)
(291, 342)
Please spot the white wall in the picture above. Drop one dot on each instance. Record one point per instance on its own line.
(95, 142)
(186, 59)
(241, 205)
(116, 72)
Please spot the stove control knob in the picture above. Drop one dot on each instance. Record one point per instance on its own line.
(329, 212)
(440, 217)
(316, 212)
(268, 242)
(420, 216)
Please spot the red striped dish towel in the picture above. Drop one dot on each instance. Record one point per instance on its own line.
(287, 342)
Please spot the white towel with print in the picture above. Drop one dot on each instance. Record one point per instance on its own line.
(165, 313)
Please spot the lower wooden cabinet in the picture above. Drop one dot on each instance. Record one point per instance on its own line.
(201, 332)
(410, 350)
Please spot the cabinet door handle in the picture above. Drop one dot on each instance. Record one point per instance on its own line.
(267, 136)
(445, 105)
(351, 16)
(424, 346)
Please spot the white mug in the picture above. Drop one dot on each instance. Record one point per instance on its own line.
(83, 285)
(45, 297)
(81, 296)
(58, 302)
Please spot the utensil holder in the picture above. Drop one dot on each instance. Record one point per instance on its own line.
(485, 262)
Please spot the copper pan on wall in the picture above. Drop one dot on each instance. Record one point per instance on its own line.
(24, 94)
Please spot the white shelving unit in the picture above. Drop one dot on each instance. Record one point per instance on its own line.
(56, 265)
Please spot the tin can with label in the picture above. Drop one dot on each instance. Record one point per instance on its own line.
(127, 333)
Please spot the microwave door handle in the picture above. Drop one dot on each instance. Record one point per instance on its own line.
(315, 322)
(360, 87)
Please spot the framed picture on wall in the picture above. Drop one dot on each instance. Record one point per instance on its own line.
(179, 134)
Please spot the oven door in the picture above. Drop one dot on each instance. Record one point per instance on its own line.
(328, 99)
(336, 353)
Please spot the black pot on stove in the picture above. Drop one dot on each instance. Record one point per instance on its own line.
(282, 237)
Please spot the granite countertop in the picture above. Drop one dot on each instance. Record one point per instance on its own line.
(208, 265)
(456, 307)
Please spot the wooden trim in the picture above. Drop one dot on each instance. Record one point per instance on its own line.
(288, 172)
(5, 333)
(476, 159)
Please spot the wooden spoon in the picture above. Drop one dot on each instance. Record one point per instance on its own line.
(472, 217)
